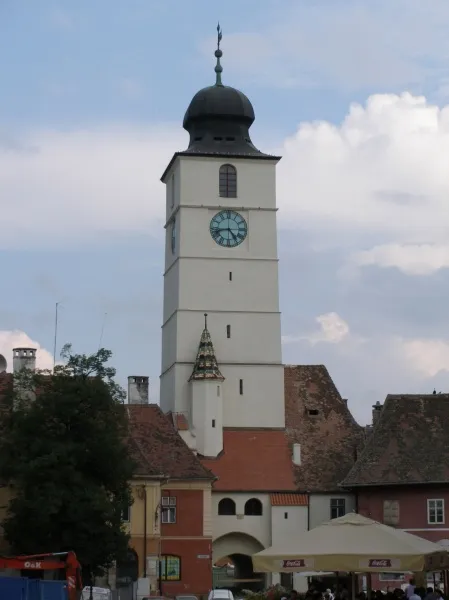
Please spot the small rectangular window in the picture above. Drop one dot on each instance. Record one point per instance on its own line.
(218, 390)
(172, 191)
(435, 512)
(241, 387)
(213, 422)
(285, 515)
(228, 331)
(126, 514)
(230, 275)
(338, 507)
(168, 509)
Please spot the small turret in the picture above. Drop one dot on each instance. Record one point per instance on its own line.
(207, 398)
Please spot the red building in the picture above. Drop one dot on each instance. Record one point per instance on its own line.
(401, 477)
(173, 521)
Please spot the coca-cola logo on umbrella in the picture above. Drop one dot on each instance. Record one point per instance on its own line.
(295, 563)
(379, 563)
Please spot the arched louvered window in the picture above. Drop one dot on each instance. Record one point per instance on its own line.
(228, 181)
(226, 506)
(253, 507)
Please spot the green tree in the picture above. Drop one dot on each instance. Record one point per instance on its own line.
(63, 451)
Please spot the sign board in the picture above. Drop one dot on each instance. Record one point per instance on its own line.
(203, 556)
(380, 563)
(297, 563)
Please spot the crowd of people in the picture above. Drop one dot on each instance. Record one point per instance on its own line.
(340, 592)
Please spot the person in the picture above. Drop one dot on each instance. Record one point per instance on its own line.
(430, 594)
(415, 596)
(410, 589)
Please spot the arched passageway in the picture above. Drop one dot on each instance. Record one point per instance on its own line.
(233, 566)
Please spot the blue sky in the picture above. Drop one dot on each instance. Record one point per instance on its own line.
(352, 93)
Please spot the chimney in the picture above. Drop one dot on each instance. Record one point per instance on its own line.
(377, 409)
(138, 389)
(23, 358)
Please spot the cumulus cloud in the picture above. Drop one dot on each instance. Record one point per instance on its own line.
(60, 187)
(428, 356)
(19, 339)
(382, 172)
(411, 259)
(332, 330)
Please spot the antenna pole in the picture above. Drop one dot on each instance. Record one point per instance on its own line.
(102, 330)
(56, 335)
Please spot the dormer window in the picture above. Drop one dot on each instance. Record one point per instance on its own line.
(228, 181)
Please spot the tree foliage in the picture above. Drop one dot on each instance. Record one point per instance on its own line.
(63, 451)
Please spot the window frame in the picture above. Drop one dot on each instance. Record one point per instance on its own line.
(227, 181)
(435, 509)
(126, 514)
(228, 500)
(256, 502)
(336, 504)
(168, 510)
(163, 568)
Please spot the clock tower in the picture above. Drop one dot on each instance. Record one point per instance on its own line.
(221, 259)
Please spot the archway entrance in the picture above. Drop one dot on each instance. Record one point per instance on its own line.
(233, 566)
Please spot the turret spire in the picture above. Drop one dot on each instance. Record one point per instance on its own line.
(218, 55)
(206, 365)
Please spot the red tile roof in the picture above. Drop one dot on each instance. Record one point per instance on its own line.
(157, 447)
(180, 421)
(289, 500)
(253, 460)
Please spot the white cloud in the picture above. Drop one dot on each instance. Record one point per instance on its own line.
(61, 187)
(19, 339)
(428, 356)
(351, 45)
(382, 172)
(332, 330)
(422, 259)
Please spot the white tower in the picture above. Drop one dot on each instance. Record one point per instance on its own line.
(221, 258)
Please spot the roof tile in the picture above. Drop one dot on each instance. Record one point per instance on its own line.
(157, 447)
(289, 500)
(253, 460)
(318, 419)
(408, 444)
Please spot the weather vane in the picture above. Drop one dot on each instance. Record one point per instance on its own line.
(218, 55)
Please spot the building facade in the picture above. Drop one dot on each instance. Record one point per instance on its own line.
(325, 438)
(402, 476)
(170, 519)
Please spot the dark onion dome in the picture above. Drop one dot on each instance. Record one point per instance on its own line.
(219, 117)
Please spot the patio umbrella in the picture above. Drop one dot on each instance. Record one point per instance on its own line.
(353, 543)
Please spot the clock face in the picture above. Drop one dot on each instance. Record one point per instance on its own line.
(173, 236)
(228, 228)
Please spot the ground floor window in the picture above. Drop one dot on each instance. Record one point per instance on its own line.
(170, 568)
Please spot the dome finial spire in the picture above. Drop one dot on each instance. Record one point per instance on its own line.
(218, 55)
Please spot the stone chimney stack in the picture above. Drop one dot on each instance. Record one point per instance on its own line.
(377, 409)
(138, 386)
(24, 358)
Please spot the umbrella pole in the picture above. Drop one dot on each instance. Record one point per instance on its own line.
(369, 585)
